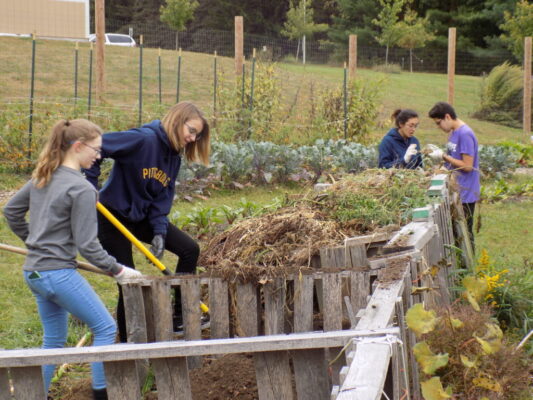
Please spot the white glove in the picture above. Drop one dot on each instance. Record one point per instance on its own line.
(126, 273)
(436, 154)
(409, 153)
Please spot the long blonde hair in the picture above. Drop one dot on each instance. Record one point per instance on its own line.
(63, 135)
(174, 120)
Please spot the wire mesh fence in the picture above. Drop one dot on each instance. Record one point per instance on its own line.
(427, 59)
(63, 87)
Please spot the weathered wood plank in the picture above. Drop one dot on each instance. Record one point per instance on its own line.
(365, 239)
(172, 378)
(296, 341)
(148, 313)
(247, 316)
(303, 303)
(310, 374)
(332, 299)
(190, 298)
(272, 369)
(136, 322)
(333, 257)
(273, 375)
(162, 310)
(360, 384)
(380, 309)
(5, 389)
(122, 382)
(135, 315)
(27, 383)
(274, 296)
(360, 289)
(355, 256)
(403, 387)
(219, 308)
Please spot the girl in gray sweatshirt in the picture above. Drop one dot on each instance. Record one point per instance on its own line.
(62, 222)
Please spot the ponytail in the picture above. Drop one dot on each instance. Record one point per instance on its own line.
(63, 135)
(400, 116)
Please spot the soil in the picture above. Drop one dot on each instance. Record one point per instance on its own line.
(231, 376)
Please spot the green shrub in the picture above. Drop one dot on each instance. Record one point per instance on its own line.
(362, 109)
(501, 96)
(388, 68)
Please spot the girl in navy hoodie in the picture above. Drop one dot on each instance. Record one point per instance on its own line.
(399, 148)
(140, 189)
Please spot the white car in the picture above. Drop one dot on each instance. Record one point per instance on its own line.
(115, 39)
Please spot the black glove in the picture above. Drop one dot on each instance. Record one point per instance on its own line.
(158, 245)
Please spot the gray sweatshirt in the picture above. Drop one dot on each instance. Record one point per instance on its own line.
(62, 222)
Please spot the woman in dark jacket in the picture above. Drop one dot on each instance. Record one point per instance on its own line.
(399, 148)
(140, 189)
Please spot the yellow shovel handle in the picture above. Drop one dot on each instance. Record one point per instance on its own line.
(138, 244)
(131, 238)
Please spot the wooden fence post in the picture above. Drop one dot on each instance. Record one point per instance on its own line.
(451, 64)
(352, 57)
(99, 20)
(527, 86)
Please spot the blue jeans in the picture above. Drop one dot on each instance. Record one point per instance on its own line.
(62, 291)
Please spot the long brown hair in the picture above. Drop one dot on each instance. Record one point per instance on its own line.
(174, 120)
(63, 135)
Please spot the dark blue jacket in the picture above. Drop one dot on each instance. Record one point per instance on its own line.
(392, 149)
(142, 181)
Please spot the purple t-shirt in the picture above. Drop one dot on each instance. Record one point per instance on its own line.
(463, 141)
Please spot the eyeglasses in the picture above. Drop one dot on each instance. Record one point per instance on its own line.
(197, 135)
(97, 150)
(411, 126)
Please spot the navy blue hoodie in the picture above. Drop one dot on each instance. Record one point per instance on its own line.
(142, 181)
(392, 149)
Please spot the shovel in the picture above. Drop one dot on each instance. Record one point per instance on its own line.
(81, 264)
(138, 244)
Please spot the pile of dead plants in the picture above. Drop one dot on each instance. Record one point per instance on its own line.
(288, 238)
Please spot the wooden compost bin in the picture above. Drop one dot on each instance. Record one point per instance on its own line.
(364, 340)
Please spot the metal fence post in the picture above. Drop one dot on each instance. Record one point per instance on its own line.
(179, 77)
(90, 82)
(32, 91)
(140, 79)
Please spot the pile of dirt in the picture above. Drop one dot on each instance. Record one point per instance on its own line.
(286, 240)
(231, 376)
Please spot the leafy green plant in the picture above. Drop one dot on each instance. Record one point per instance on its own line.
(497, 161)
(463, 348)
(525, 151)
(203, 219)
(234, 161)
(317, 158)
(502, 189)
(463, 353)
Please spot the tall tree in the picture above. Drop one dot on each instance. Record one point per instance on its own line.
(300, 24)
(354, 17)
(517, 26)
(413, 33)
(386, 21)
(176, 13)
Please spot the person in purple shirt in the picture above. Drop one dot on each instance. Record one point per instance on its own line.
(461, 157)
